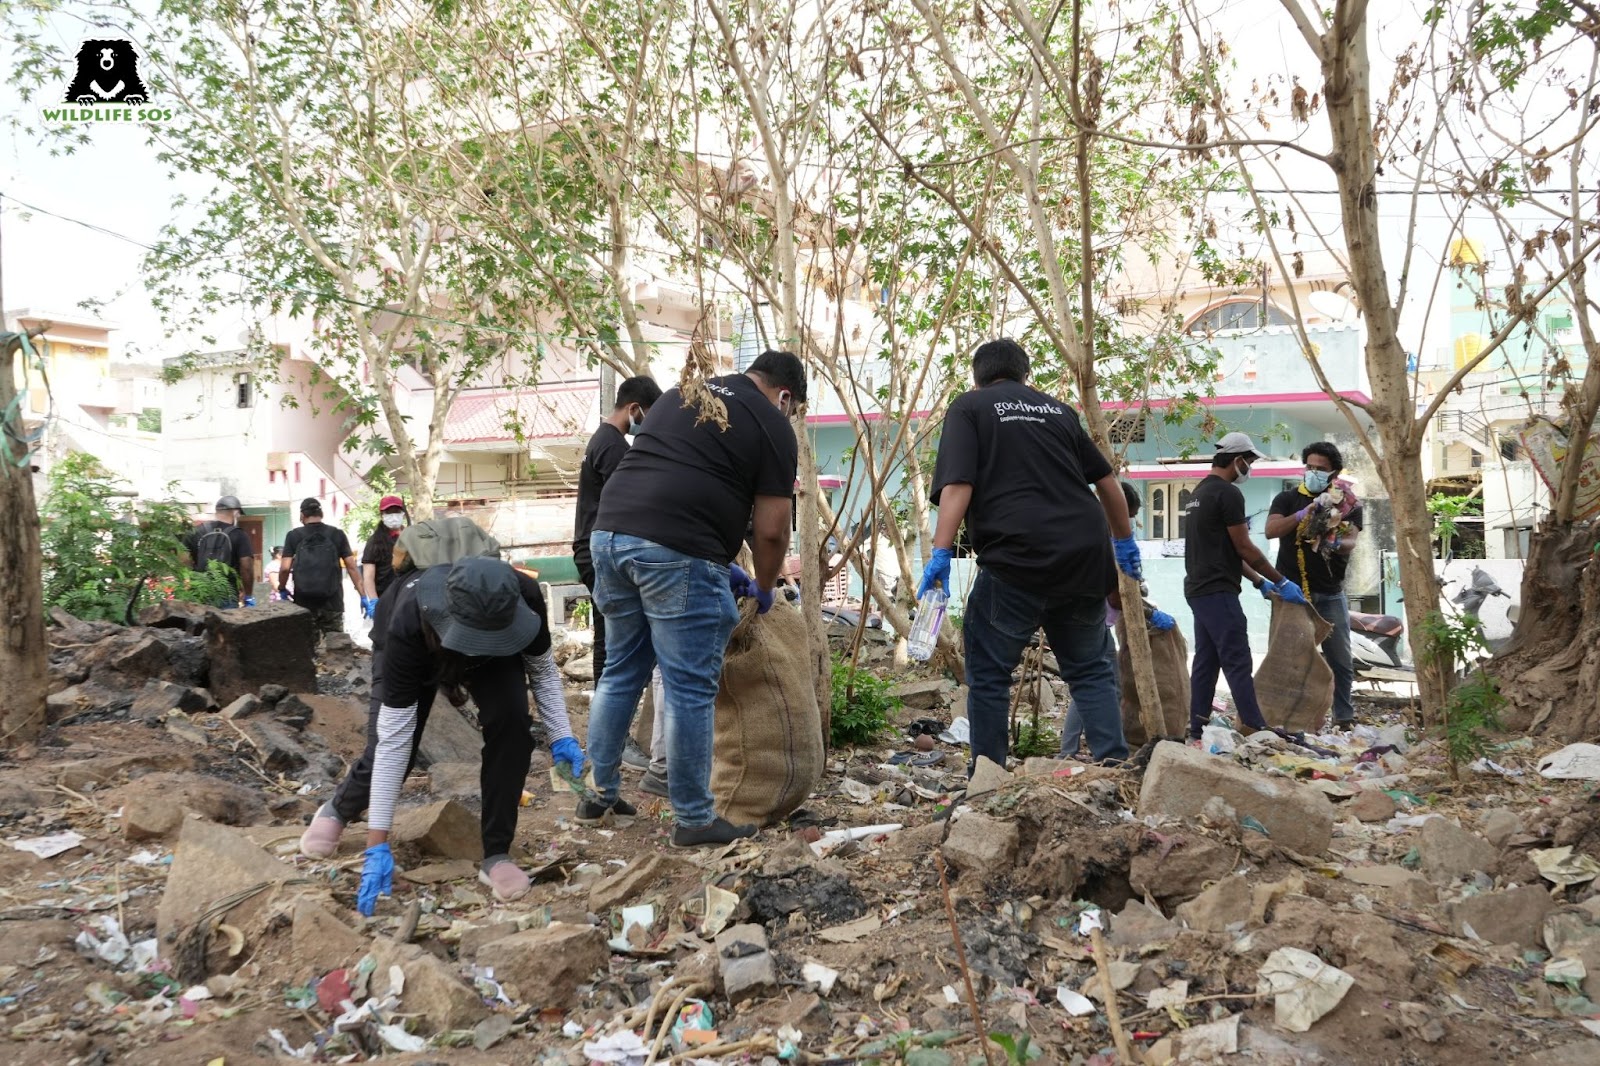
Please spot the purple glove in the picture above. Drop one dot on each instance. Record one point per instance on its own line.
(763, 600)
(740, 582)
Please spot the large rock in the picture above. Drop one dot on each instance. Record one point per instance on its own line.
(1139, 924)
(923, 695)
(1371, 805)
(1498, 826)
(745, 963)
(449, 737)
(256, 646)
(321, 941)
(982, 845)
(444, 828)
(455, 780)
(547, 965)
(630, 882)
(475, 938)
(579, 671)
(191, 618)
(433, 988)
(159, 698)
(1183, 871)
(1180, 780)
(988, 776)
(1405, 887)
(151, 818)
(1515, 916)
(278, 752)
(1223, 904)
(213, 862)
(1449, 852)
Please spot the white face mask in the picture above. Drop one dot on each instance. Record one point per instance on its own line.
(1242, 468)
(394, 521)
(635, 424)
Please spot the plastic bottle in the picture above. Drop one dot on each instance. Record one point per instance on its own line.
(925, 630)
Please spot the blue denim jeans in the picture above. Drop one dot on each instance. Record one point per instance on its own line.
(1333, 607)
(998, 622)
(660, 606)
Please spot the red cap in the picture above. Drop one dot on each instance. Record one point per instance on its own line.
(390, 501)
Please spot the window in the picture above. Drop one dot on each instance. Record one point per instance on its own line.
(1237, 314)
(1127, 428)
(245, 389)
(1167, 506)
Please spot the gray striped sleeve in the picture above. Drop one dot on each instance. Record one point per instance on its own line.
(396, 727)
(545, 678)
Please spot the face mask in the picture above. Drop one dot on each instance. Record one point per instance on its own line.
(394, 521)
(1317, 480)
(635, 424)
(1243, 469)
(785, 401)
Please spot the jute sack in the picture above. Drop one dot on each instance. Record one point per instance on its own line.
(439, 541)
(1294, 685)
(1169, 653)
(768, 749)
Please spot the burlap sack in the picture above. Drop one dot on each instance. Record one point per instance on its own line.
(769, 749)
(1294, 685)
(437, 541)
(1170, 655)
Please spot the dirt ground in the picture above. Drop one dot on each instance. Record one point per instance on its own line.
(875, 913)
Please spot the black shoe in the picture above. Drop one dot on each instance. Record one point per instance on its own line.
(655, 784)
(635, 757)
(720, 831)
(593, 812)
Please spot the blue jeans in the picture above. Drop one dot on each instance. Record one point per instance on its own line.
(998, 622)
(1221, 643)
(660, 606)
(1335, 609)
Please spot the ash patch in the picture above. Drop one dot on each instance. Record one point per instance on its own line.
(824, 899)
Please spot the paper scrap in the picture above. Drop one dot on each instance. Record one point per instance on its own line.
(48, 847)
(850, 932)
(1210, 1041)
(821, 976)
(1171, 995)
(1303, 986)
(1560, 866)
(1076, 1003)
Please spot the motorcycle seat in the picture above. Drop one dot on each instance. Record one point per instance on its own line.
(1382, 625)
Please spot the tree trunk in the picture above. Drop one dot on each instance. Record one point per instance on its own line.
(24, 672)
(1419, 586)
(1550, 672)
(812, 565)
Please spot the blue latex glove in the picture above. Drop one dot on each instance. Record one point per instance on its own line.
(740, 581)
(377, 878)
(1128, 559)
(1290, 592)
(1161, 621)
(937, 570)
(282, 595)
(249, 601)
(568, 751)
(763, 600)
(368, 606)
(1265, 588)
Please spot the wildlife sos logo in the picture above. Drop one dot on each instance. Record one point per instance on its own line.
(106, 87)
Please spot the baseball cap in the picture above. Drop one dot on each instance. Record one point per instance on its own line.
(229, 503)
(310, 505)
(1238, 444)
(391, 502)
(476, 607)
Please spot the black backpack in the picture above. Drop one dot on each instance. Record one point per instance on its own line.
(213, 542)
(316, 566)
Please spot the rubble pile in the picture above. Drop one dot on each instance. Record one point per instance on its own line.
(1265, 899)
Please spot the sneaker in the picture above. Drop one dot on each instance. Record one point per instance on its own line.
(506, 880)
(655, 784)
(321, 838)
(594, 812)
(720, 831)
(635, 757)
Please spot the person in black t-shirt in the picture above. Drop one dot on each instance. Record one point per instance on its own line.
(671, 520)
(222, 540)
(323, 594)
(1041, 507)
(1322, 502)
(609, 444)
(1216, 553)
(476, 627)
(377, 557)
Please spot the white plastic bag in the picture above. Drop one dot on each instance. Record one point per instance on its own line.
(1575, 761)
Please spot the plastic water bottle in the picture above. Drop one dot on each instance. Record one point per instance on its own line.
(925, 630)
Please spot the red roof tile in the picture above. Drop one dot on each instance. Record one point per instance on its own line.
(550, 411)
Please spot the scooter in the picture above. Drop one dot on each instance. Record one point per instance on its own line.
(1375, 642)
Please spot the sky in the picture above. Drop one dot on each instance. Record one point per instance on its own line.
(115, 182)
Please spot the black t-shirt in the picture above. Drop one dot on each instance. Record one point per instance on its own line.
(379, 551)
(1034, 520)
(408, 665)
(691, 487)
(238, 538)
(1211, 562)
(1322, 575)
(341, 547)
(606, 449)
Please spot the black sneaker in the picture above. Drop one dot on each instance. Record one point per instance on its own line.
(593, 812)
(720, 831)
(655, 784)
(635, 757)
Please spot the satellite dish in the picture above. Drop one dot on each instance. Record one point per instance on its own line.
(1332, 306)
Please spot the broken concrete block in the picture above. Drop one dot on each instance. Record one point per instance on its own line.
(1371, 805)
(1182, 871)
(1515, 916)
(450, 737)
(150, 818)
(1499, 826)
(988, 776)
(1405, 887)
(923, 695)
(292, 711)
(981, 844)
(143, 656)
(176, 614)
(211, 863)
(243, 707)
(321, 941)
(256, 646)
(278, 751)
(745, 963)
(630, 882)
(580, 671)
(1180, 780)
(433, 989)
(1449, 852)
(444, 828)
(158, 698)
(475, 938)
(1139, 924)
(547, 965)
(1223, 904)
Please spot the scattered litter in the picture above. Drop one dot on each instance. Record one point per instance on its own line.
(1077, 1003)
(1592, 1026)
(111, 945)
(1560, 866)
(641, 918)
(150, 858)
(821, 976)
(624, 1048)
(694, 1025)
(396, 1037)
(1211, 1040)
(1304, 987)
(1577, 761)
(1168, 997)
(48, 847)
(1089, 921)
(833, 838)
(1569, 972)
(1489, 766)
(719, 907)
(850, 932)
(960, 732)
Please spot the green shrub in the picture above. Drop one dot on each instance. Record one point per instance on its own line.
(861, 705)
(1472, 709)
(105, 556)
(1035, 739)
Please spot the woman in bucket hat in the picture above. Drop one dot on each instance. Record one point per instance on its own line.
(475, 627)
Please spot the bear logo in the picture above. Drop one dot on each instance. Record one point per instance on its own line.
(108, 73)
